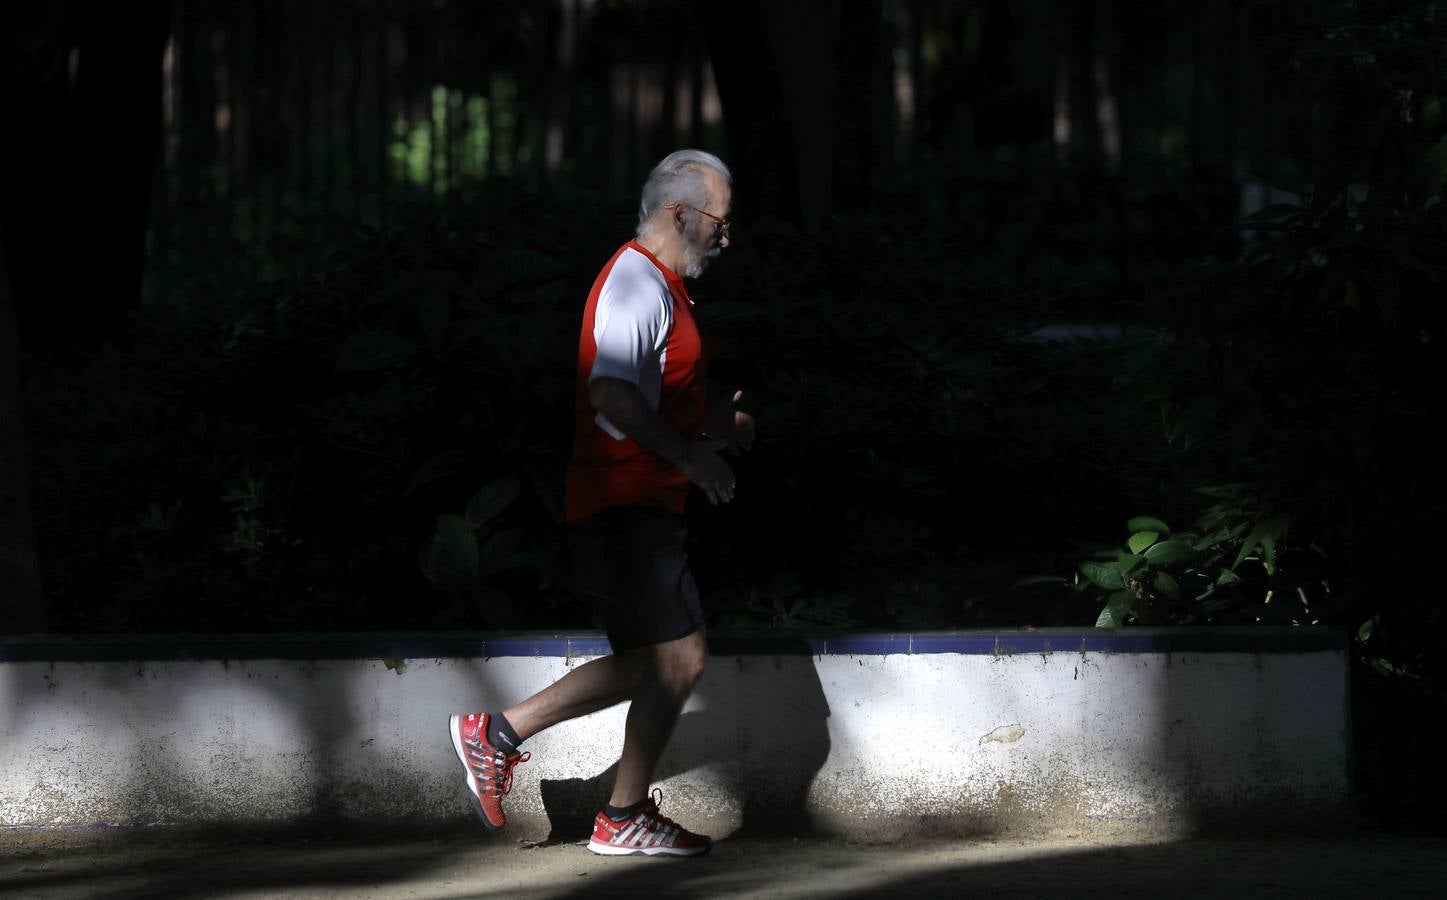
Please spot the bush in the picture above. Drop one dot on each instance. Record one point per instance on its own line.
(310, 456)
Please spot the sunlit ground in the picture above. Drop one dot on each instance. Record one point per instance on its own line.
(152, 863)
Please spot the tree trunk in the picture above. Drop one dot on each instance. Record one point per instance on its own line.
(760, 135)
(1085, 142)
(860, 93)
(918, 79)
(83, 77)
(1195, 125)
(22, 606)
(384, 110)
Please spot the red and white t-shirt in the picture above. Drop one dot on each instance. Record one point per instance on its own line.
(638, 326)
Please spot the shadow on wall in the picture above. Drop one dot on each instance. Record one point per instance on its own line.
(316, 743)
(353, 727)
(757, 722)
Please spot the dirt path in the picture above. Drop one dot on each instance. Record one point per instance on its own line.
(154, 863)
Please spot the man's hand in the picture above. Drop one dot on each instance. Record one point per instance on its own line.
(735, 426)
(704, 468)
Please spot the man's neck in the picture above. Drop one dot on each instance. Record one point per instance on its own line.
(667, 252)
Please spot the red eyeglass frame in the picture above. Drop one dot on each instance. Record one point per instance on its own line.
(723, 224)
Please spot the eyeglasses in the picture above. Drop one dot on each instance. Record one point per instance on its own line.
(720, 224)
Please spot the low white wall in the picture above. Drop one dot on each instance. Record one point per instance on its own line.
(859, 745)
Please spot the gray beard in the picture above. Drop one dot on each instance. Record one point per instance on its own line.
(695, 262)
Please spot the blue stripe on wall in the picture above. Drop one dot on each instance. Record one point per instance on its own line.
(435, 645)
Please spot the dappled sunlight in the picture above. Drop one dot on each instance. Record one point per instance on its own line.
(448, 866)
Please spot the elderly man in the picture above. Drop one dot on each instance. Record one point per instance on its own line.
(645, 431)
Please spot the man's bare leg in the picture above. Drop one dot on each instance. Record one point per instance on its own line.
(667, 680)
(592, 686)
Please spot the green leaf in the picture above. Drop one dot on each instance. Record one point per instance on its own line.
(1041, 579)
(1167, 552)
(1166, 585)
(1220, 537)
(1274, 526)
(1128, 563)
(1147, 523)
(1274, 211)
(1141, 540)
(487, 503)
(1364, 633)
(367, 351)
(1227, 577)
(1107, 577)
(1117, 608)
(449, 462)
(450, 558)
(1224, 491)
(457, 538)
(501, 553)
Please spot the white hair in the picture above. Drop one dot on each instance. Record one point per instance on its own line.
(679, 178)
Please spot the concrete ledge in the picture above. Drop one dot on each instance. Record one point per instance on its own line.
(1055, 731)
(487, 645)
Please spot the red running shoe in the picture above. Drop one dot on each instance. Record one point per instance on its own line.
(489, 770)
(647, 832)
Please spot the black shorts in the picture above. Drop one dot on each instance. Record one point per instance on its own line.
(629, 565)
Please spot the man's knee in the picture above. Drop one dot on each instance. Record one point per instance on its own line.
(680, 663)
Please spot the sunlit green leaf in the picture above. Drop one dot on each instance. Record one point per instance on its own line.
(1107, 577)
(1274, 526)
(1364, 633)
(1147, 523)
(1141, 540)
(1128, 563)
(1166, 585)
(1117, 608)
(1167, 552)
(1220, 536)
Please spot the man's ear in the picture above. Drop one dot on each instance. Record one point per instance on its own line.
(680, 220)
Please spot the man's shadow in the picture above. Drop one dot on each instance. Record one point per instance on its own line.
(761, 728)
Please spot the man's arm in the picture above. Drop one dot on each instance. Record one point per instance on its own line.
(722, 420)
(626, 408)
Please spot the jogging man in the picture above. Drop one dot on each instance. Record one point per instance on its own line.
(645, 431)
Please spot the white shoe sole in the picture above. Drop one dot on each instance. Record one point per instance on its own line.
(610, 850)
(456, 734)
(470, 785)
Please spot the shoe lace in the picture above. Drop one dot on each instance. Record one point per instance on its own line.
(502, 769)
(656, 818)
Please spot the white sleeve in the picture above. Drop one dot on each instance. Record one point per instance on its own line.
(630, 328)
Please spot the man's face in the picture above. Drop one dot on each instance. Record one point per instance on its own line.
(706, 238)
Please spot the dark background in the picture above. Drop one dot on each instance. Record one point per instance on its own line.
(1142, 299)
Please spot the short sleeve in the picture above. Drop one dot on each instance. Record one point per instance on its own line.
(630, 327)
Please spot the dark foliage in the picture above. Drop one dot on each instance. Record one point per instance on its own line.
(299, 458)
(1306, 376)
